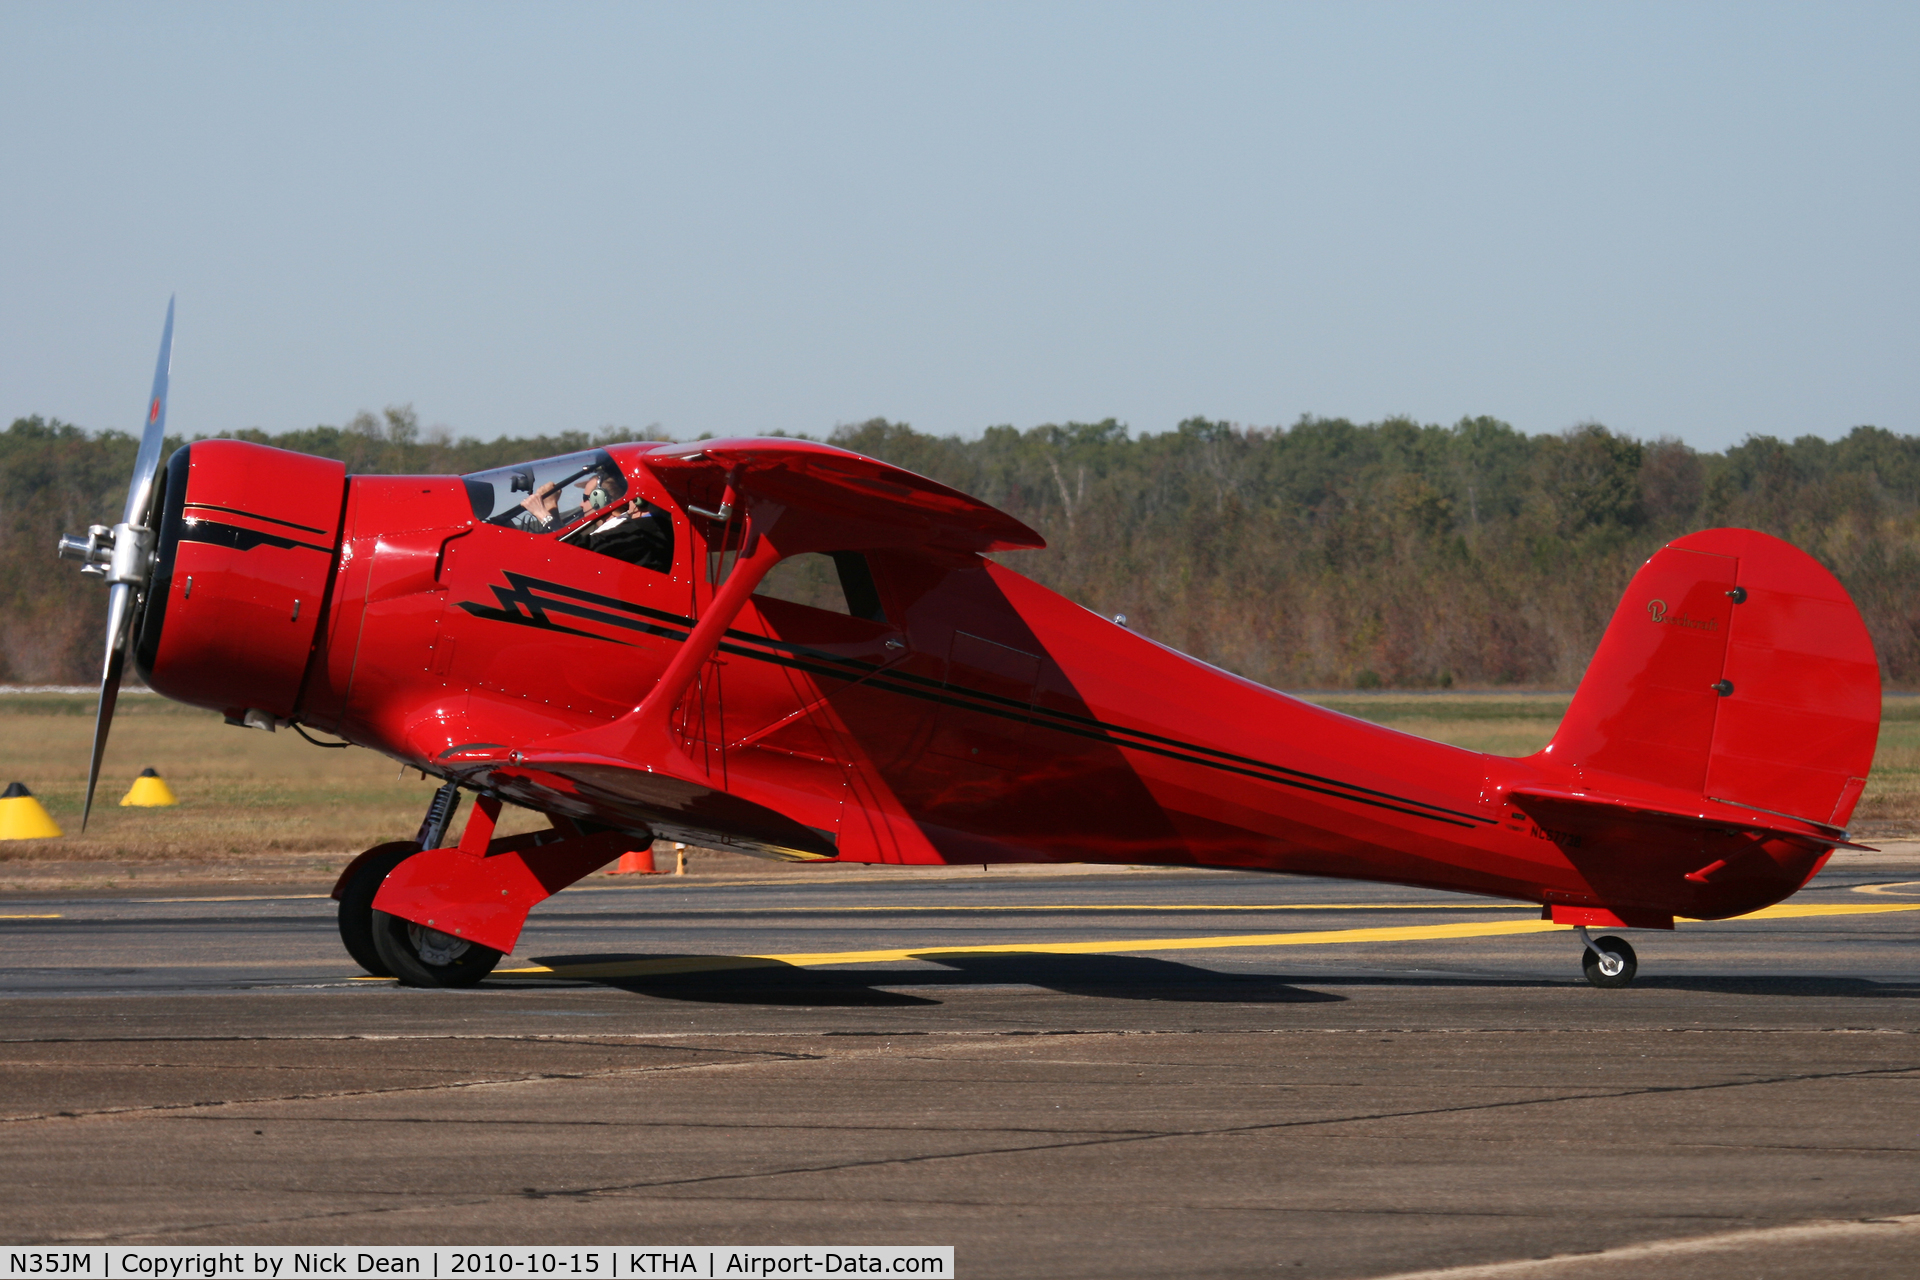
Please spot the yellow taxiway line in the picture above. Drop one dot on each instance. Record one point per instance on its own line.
(51, 917)
(1175, 906)
(1902, 888)
(1790, 910)
(255, 897)
(1317, 937)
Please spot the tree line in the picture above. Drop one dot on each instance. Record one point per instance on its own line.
(1325, 554)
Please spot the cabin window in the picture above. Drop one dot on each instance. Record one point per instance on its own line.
(549, 495)
(838, 581)
(582, 499)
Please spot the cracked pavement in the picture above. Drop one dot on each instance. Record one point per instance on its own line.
(181, 1071)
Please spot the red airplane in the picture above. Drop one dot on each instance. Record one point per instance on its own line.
(791, 650)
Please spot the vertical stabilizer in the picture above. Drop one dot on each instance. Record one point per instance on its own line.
(1738, 668)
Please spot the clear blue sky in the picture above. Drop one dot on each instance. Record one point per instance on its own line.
(1697, 220)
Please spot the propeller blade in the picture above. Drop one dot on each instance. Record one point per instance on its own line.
(127, 565)
(146, 464)
(119, 615)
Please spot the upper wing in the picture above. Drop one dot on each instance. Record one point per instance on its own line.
(868, 503)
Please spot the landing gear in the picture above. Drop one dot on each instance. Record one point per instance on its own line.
(418, 963)
(1608, 962)
(420, 956)
(452, 905)
(356, 902)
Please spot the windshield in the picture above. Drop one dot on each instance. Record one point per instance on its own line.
(551, 494)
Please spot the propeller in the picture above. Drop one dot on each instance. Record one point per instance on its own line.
(123, 555)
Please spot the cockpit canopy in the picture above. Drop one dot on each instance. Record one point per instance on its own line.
(582, 500)
(548, 495)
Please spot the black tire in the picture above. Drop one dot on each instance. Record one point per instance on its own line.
(356, 903)
(422, 957)
(1596, 970)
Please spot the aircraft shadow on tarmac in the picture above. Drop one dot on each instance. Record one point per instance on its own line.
(736, 980)
(1104, 976)
(1787, 985)
(1828, 988)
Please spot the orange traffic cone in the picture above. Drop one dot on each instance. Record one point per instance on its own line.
(23, 818)
(638, 862)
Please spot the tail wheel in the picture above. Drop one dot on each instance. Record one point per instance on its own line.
(1609, 962)
(420, 956)
(356, 903)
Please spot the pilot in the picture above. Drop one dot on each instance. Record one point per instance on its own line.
(637, 532)
(597, 489)
(543, 507)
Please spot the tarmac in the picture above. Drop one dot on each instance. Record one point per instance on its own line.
(1103, 1074)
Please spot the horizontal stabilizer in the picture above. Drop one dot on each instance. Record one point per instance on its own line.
(1580, 811)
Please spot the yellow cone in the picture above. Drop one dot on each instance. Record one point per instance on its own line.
(22, 818)
(149, 791)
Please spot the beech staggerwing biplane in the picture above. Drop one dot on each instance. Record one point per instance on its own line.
(787, 649)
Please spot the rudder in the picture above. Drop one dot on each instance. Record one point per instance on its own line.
(1735, 667)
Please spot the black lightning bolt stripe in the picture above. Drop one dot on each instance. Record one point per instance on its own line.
(232, 535)
(520, 605)
(254, 515)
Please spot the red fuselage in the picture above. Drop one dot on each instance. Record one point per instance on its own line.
(966, 715)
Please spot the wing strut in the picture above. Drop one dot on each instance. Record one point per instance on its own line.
(645, 733)
(751, 566)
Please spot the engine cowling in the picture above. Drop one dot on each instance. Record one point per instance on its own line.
(247, 540)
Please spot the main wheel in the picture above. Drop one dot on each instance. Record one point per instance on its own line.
(356, 903)
(424, 957)
(1614, 968)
